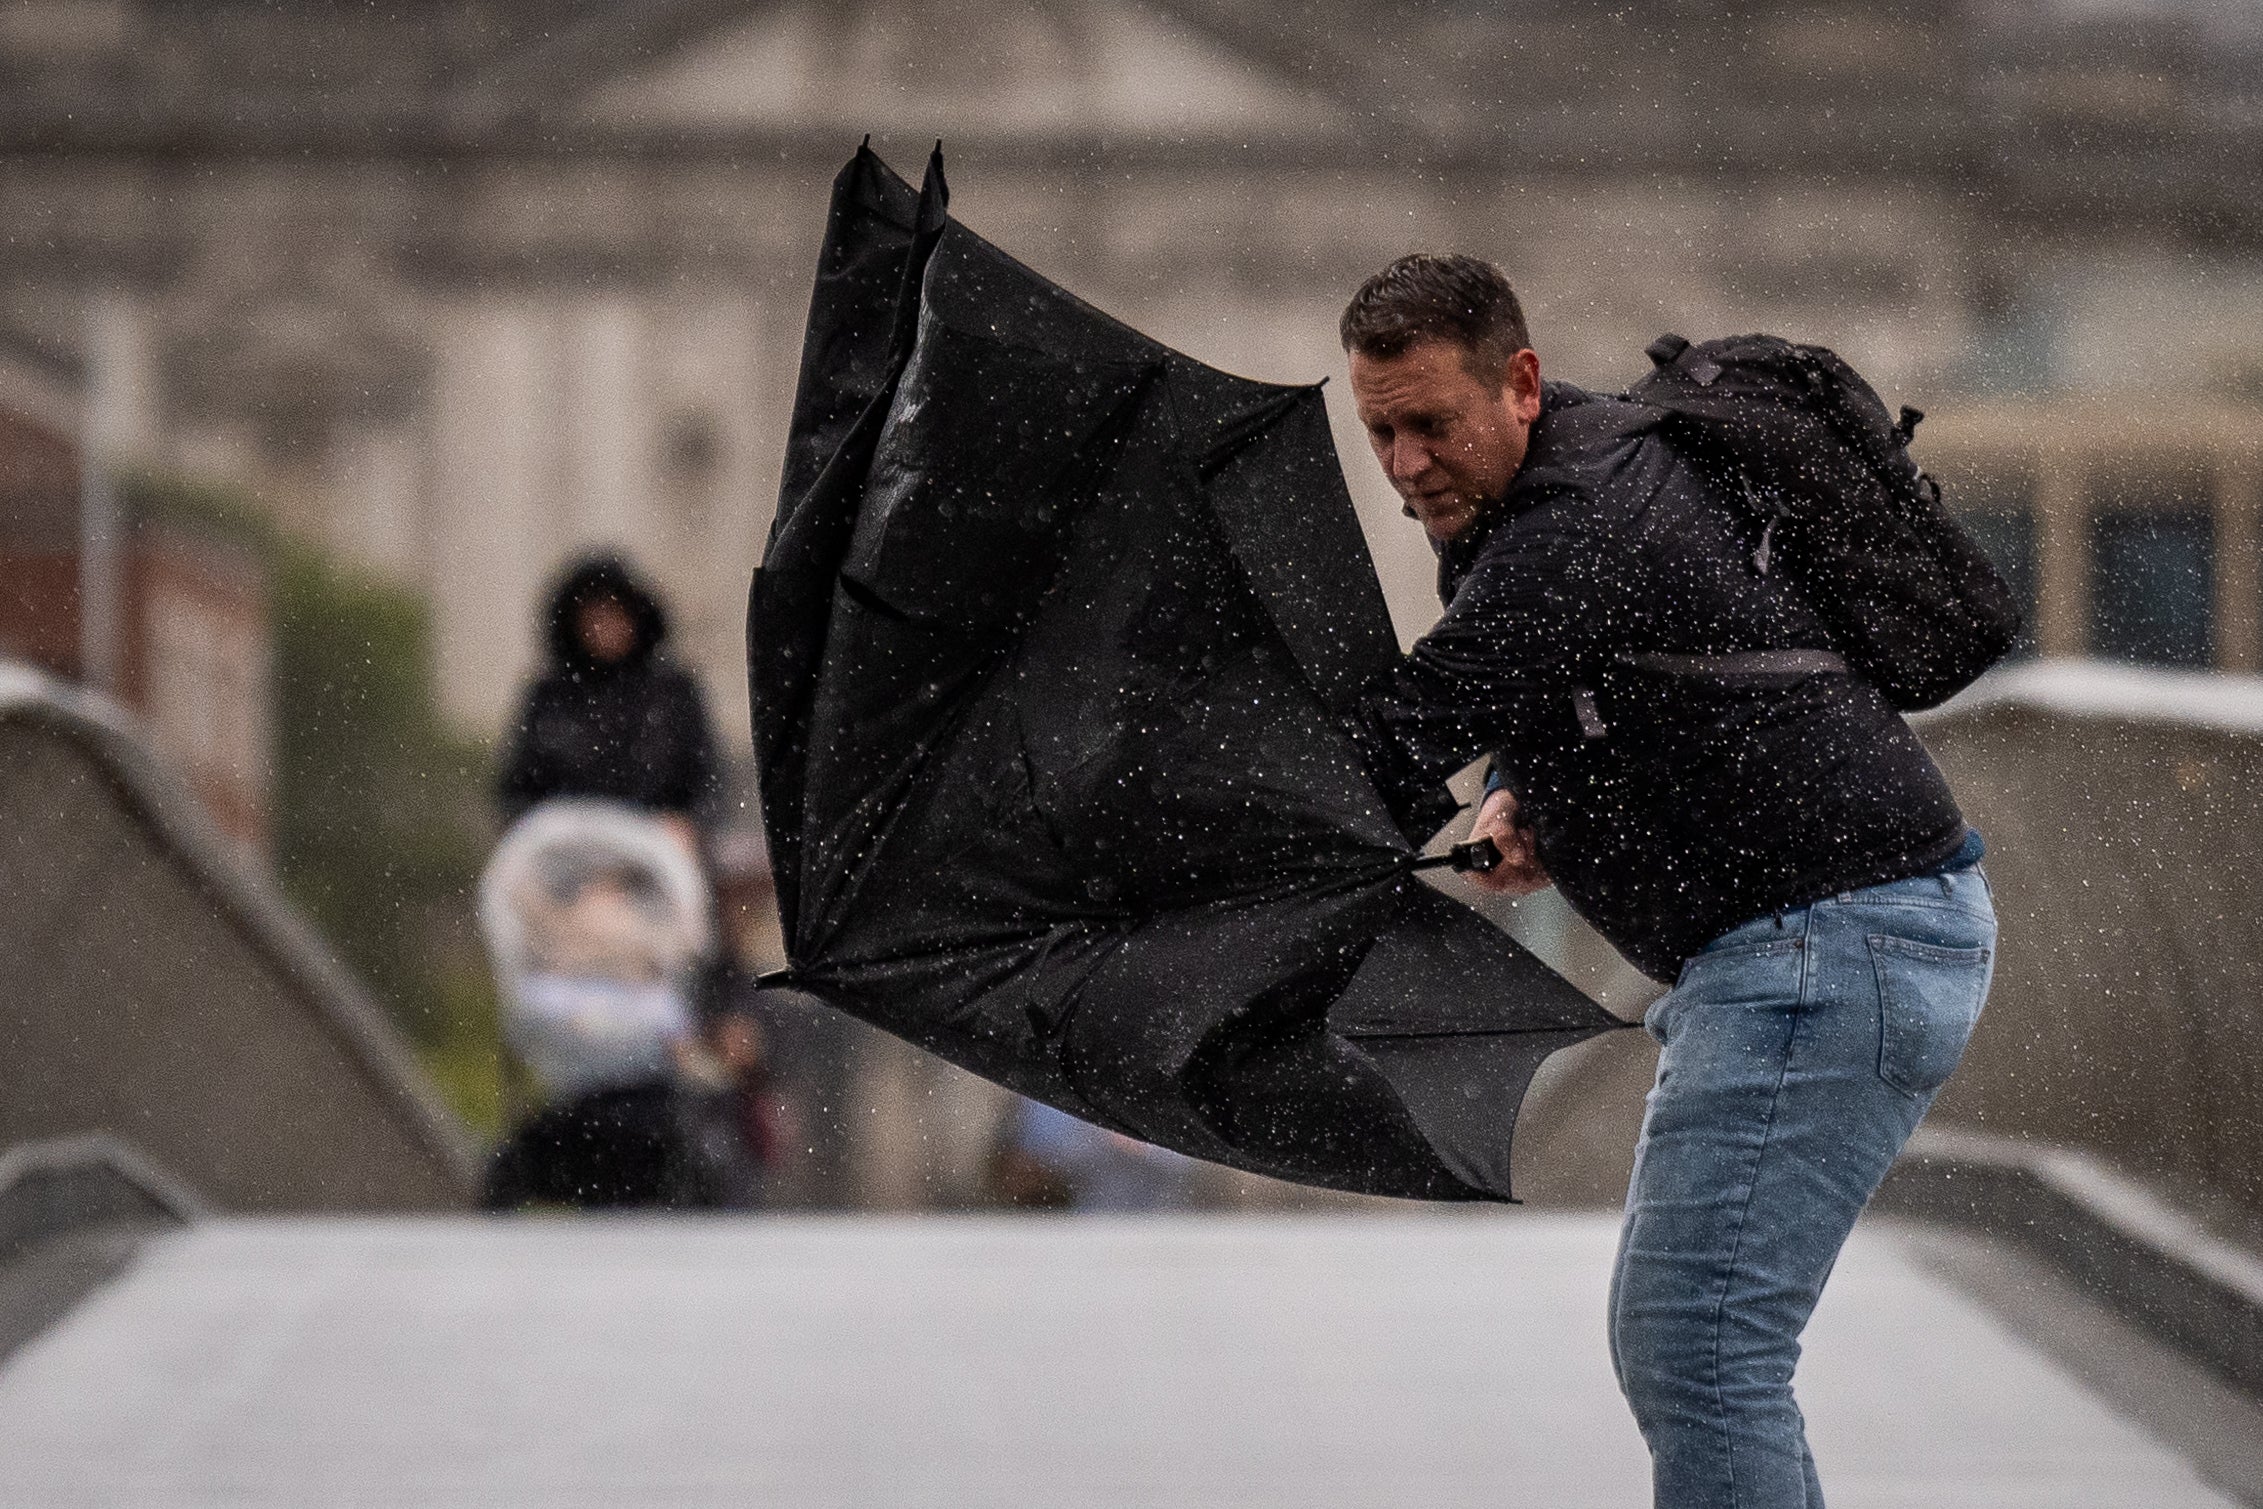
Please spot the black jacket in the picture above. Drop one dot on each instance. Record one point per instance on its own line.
(635, 731)
(1669, 806)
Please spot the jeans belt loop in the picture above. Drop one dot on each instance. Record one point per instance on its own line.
(1845, 896)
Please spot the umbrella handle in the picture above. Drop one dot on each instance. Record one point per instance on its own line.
(1479, 856)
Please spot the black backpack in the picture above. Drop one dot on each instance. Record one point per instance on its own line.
(1794, 435)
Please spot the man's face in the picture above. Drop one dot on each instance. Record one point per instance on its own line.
(1449, 441)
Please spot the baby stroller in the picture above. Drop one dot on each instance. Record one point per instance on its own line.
(596, 919)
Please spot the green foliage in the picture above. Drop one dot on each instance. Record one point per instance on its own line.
(465, 1055)
(378, 827)
(379, 817)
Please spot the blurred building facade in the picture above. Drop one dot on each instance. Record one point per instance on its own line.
(466, 286)
(39, 511)
(179, 632)
(2129, 523)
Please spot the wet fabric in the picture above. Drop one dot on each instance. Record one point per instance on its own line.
(1668, 807)
(1048, 655)
(619, 1148)
(633, 731)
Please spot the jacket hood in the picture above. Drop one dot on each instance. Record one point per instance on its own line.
(603, 576)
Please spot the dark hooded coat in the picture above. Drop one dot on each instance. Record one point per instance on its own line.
(635, 731)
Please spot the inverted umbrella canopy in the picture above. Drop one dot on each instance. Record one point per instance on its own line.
(1047, 653)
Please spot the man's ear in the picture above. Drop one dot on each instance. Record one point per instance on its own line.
(1522, 385)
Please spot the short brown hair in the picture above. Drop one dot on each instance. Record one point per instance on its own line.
(1466, 300)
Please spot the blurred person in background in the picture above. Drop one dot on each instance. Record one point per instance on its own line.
(1046, 1159)
(612, 718)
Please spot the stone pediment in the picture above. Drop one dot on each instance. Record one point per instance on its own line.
(968, 72)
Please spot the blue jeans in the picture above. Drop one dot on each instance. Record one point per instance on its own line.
(1799, 1054)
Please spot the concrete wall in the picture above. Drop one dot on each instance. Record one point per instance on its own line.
(153, 989)
(2124, 814)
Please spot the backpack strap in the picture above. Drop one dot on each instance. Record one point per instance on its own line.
(1773, 510)
(1744, 663)
(1666, 350)
(1724, 667)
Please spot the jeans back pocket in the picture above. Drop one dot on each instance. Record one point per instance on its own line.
(1929, 1000)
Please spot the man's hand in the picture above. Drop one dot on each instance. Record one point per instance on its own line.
(1520, 872)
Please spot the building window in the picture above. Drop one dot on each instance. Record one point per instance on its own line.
(2153, 586)
(2002, 521)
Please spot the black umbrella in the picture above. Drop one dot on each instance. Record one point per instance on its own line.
(1047, 651)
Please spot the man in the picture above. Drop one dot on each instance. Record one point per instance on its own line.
(1766, 835)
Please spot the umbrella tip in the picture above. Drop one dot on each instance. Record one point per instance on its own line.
(936, 184)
